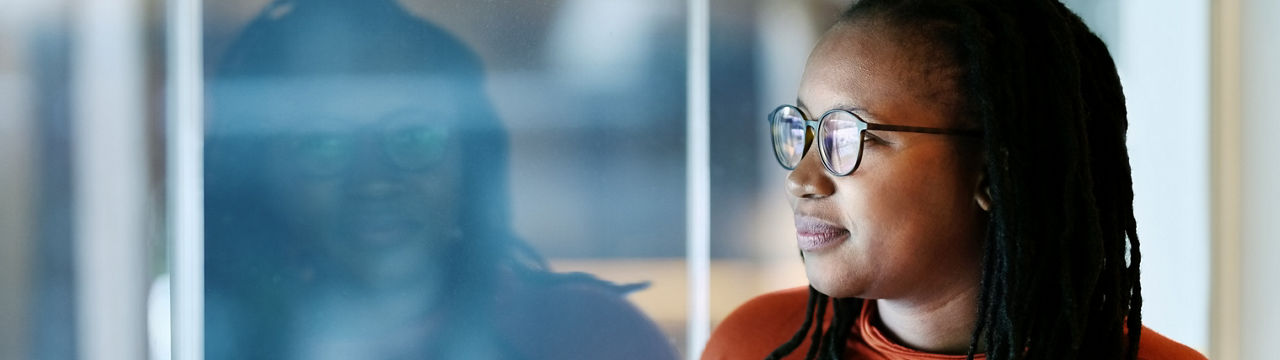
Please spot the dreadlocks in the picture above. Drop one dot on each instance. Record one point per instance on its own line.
(846, 311)
(1060, 258)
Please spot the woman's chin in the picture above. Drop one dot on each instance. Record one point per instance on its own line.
(830, 291)
(821, 278)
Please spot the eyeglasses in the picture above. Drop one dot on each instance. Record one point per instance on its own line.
(408, 148)
(841, 135)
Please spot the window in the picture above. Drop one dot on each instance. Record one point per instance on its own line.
(497, 177)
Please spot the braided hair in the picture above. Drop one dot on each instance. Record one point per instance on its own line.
(1060, 257)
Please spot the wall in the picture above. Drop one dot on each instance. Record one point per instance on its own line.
(1260, 172)
(1162, 53)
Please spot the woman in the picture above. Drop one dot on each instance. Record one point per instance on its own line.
(357, 204)
(961, 189)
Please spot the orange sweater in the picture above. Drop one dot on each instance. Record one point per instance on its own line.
(758, 327)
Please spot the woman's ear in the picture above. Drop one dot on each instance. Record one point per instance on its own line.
(982, 194)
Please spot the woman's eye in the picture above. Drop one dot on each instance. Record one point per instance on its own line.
(320, 154)
(872, 139)
(416, 148)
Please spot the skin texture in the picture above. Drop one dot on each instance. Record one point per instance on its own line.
(914, 209)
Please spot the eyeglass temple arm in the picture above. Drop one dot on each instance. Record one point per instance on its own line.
(926, 130)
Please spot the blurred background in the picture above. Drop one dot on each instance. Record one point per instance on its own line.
(591, 98)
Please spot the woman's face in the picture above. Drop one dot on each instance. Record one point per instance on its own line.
(366, 172)
(907, 223)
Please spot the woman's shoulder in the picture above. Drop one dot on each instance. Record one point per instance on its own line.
(781, 309)
(758, 326)
(1154, 346)
(578, 319)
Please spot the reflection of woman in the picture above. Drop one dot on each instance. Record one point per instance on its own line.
(356, 181)
(965, 193)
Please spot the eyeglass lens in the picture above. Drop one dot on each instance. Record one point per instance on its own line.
(841, 141)
(839, 134)
(788, 127)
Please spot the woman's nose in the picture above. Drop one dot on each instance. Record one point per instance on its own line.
(372, 176)
(810, 179)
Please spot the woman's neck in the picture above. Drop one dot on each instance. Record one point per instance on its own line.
(942, 323)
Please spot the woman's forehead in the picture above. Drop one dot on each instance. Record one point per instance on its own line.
(865, 67)
(274, 105)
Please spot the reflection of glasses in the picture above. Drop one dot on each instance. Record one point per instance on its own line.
(410, 149)
(841, 132)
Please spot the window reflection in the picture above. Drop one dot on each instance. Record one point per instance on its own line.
(357, 204)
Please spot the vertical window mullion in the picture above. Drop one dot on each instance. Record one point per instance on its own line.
(185, 167)
(698, 183)
(110, 184)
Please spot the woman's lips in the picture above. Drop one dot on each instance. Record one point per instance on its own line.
(813, 234)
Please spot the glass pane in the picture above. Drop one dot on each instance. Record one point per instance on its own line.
(444, 179)
(758, 49)
(64, 191)
(37, 283)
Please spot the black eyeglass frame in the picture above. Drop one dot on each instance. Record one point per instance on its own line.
(862, 125)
